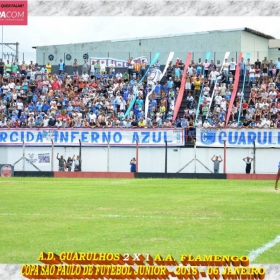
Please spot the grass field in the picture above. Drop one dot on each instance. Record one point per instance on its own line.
(137, 216)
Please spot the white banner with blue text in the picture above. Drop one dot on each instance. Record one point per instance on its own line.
(93, 137)
(211, 137)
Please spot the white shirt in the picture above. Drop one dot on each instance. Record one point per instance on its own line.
(208, 100)
(5, 88)
(223, 105)
(45, 122)
(214, 75)
(206, 124)
(85, 77)
(103, 67)
(272, 94)
(265, 123)
(92, 68)
(252, 73)
(11, 85)
(58, 124)
(92, 116)
(232, 65)
(119, 75)
(19, 105)
(218, 99)
(122, 104)
(112, 66)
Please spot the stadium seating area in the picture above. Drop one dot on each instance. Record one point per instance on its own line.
(97, 96)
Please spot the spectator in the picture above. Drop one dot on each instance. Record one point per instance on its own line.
(75, 67)
(216, 160)
(61, 163)
(77, 164)
(191, 130)
(232, 66)
(85, 66)
(248, 162)
(133, 165)
(206, 65)
(2, 67)
(61, 66)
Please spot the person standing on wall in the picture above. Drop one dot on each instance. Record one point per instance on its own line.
(248, 162)
(69, 163)
(77, 163)
(75, 67)
(61, 163)
(133, 165)
(61, 66)
(217, 162)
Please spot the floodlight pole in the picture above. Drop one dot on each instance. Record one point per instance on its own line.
(137, 154)
(23, 157)
(165, 157)
(194, 156)
(254, 159)
(52, 155)
(108, 156)
(225, 156)
(80, 152)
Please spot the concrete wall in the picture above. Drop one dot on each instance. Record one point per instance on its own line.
(198, 43)
(257, 46)
(150, 159)
(274, 43)
(274, 54)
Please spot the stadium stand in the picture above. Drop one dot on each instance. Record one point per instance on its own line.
(34, 96)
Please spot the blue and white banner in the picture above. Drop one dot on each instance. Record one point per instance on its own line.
(117, 62)
(211, 137)
(93, 137)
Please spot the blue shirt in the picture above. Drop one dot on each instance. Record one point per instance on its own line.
(165, 88)
(125, 95)
(157, 89)
(132, 167)
(157, 64)
(70, 108)
(61, 66)
(139, 102)
(277, 63)
(34, 98)
(177, 72)
(136, 111)
(23, 118)
(39, 107)
(154, 103)
(31, 108)
(46, 107)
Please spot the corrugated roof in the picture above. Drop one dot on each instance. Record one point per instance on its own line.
(258, 33)
(255, 32)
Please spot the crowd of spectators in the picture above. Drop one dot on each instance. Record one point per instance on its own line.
(97, 96)
(261, 109)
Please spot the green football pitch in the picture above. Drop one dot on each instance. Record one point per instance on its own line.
(148, 216)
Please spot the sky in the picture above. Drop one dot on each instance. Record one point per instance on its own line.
(42, 31)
